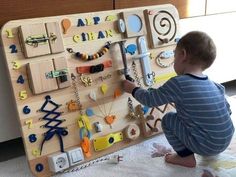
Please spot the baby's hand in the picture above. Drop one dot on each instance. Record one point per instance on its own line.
(128, 86)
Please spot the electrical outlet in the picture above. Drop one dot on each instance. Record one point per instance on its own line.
(75, 156)
(58, 162)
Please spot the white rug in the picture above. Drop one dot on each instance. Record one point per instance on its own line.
(137, 162)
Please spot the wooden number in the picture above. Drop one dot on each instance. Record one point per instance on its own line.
(13, 48)
(23, 94)
(20, 80)
(29, 123)
(16, 65)
(36, 152)
(9, 33)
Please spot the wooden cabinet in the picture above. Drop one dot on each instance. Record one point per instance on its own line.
(186, 8)
(20, 9)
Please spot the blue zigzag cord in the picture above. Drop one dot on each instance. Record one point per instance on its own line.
(51, 116)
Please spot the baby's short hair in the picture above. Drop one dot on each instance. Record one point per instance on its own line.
(200, 47)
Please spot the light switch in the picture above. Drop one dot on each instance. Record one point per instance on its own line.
(75, 156)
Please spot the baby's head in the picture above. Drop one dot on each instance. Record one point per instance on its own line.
(199, 49)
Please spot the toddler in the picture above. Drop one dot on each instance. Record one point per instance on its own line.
(201, 123)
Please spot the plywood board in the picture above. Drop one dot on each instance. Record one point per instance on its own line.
(61, 117)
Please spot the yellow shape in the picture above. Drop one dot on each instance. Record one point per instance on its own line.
(16, 65)
(80, 122)
(9, 33)
(84, 121)
(109, 33)
(104, 88)
(164, 77)
(224, 164)
(36, 152)
(91, 36)
(76, 38)
(111, 18)
(105, 142)
(29, 123)
(87, 122)
(89, 21)
(23, 95)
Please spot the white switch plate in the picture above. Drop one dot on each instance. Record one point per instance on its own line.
(58, 162)
(75, 156)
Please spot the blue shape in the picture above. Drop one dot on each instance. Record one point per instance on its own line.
(32, 138)
(20, 80)
(167, 54)
(80, 23)
(13, 48)
(145, 109)
(39, 167)
(26, 110)
(89, 112)
(96, 20)
(134, 23)
(84, 132)
(100, 35)
(131, 49)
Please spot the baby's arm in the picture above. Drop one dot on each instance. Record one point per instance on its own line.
(169, 92)
(128, 86)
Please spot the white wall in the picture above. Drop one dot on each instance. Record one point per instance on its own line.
(222, 28)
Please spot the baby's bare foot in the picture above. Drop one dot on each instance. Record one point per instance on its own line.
(188, 161)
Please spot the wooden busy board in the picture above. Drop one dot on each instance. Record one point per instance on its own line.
(66, 74)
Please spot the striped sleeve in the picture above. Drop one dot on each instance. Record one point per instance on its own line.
(169, 92)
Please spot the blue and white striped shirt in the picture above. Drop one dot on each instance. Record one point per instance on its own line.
(200, 104)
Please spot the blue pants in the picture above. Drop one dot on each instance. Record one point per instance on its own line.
(177, 134)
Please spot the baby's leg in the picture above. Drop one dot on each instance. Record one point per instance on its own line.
(177, 135)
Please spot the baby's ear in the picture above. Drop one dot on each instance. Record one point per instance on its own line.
(183, 55)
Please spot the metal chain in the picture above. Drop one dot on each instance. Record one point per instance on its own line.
(132, 114)
(74, 83)
(137, 78)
